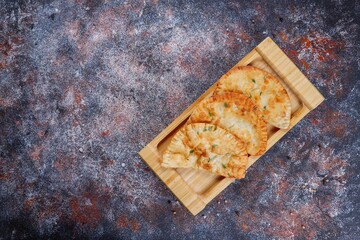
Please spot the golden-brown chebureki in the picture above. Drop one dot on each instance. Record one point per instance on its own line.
(208, 147)
(237, 114)
(264, 89)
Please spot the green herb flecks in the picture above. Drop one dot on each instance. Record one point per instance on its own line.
(260, 93)
(209, 159)
(210, 128)
(204, 130)
(226, 104)
(223, 165)
(250, 96)
(191, 151)
(264, 107)
(214, 145)
(215, 128)
(253, 80)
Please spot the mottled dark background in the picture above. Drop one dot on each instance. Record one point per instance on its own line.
(84, 85)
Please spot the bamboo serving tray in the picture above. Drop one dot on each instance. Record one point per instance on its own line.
(196, 188)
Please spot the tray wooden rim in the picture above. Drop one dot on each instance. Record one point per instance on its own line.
(293, 78)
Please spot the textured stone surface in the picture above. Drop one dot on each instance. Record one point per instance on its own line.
(84, 85)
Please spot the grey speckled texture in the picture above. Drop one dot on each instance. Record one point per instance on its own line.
(84, 85)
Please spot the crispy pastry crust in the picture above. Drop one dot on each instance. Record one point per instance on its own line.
(237, 114)
(264, 90)
(208, 147)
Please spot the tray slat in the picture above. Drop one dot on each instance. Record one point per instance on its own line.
(196, 188)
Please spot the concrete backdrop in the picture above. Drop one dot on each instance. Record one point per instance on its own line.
(84, 85)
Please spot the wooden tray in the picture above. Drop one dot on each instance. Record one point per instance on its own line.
(196, 188)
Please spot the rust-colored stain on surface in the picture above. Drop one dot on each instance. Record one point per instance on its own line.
(124, 222)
